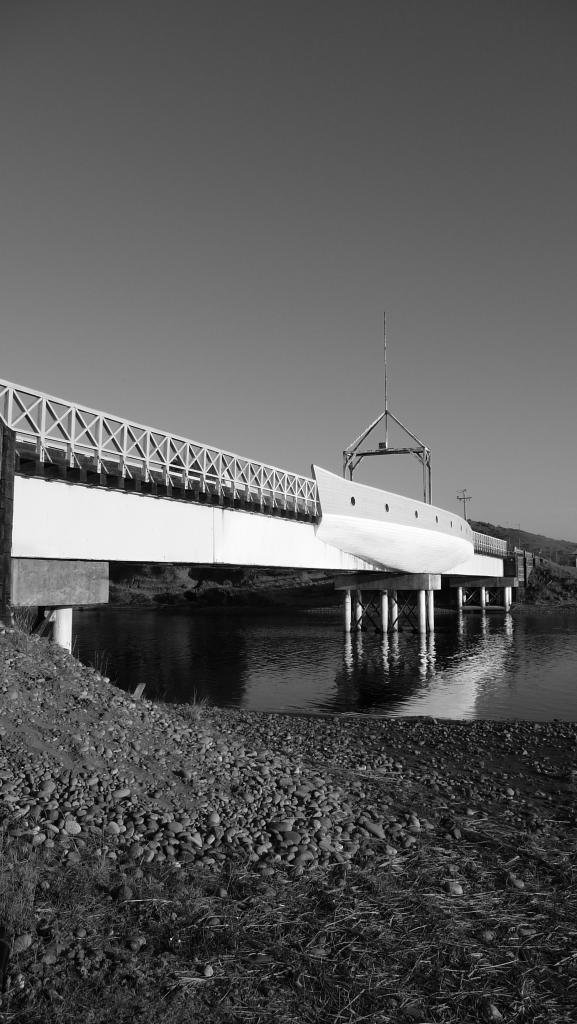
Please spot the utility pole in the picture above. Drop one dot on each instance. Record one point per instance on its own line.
(464, 497)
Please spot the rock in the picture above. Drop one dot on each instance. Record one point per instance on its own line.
(491, 1012)
(121, 794)
(373, 827)
(283, 824)
(72, 827)
(22, 942)
(291, 838)
(214, 818)
(454, 888)
(208, 971)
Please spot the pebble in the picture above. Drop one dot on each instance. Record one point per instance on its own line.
(373, 827)
(22, 942)
(121, 794)
(454, 888)
(72, 827)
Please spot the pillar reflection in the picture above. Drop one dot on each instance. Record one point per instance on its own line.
(385, 653)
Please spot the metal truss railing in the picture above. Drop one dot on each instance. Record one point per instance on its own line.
(485, 545)
(88, 438)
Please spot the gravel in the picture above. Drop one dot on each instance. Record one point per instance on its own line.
(85, 766)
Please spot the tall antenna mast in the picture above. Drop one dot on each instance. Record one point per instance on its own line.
(353, 454)
(386, 403)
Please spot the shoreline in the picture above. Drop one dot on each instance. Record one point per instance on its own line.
(161, 819)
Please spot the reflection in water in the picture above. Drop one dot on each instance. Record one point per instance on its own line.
(475, 665)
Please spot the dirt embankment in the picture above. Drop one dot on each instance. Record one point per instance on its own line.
(551, 587)
(214, 586)
(180, 863)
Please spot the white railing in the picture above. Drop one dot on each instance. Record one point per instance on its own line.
(88, 438)
(486, 545)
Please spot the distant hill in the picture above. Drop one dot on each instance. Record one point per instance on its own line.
(549, 547)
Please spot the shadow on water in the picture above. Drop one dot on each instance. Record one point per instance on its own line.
(475, 665)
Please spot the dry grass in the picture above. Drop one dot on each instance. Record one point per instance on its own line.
(384, 941)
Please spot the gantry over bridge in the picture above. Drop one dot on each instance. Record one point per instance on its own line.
(84, 485)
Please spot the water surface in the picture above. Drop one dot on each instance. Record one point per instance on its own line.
(475, 666)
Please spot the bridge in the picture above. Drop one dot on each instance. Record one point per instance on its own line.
(80, 488)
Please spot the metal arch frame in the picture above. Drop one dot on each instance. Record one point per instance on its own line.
(352, 456)
(105, 442)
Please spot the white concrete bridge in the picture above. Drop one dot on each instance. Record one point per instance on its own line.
(81, 488)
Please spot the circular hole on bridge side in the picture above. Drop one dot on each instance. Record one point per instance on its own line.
(353, 501)
(416, 514)
(386, 506)
(436, 519)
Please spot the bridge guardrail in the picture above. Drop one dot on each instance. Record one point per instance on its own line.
(486, 545)
(109, 442)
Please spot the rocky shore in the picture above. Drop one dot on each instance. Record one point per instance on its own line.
(150, 812)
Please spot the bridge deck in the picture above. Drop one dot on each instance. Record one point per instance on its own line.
(60, 439)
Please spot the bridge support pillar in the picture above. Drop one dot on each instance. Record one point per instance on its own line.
(394, 612)
(431, 610)
(483, 597)
(460, 598)
(507, 598)
(358, 610)
(348, 611)
(422, 606)
(385, 611)
(62, 635)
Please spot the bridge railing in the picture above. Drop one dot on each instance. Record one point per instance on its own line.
(486, 545)
(105, 443)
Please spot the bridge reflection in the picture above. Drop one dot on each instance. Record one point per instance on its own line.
(441, 674)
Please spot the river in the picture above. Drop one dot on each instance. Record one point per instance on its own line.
(475, 666)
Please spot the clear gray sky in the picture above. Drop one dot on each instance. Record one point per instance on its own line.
(206, 207)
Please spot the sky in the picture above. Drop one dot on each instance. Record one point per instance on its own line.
(207, 206)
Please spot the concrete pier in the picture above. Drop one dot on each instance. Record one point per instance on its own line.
(358, 610)
(385, 611)
(422, 606)
(431, 611)
(62, 635)
(394, 612)
(348, 611)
